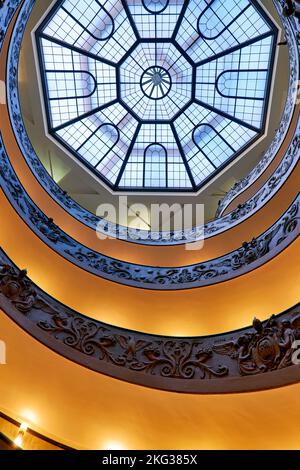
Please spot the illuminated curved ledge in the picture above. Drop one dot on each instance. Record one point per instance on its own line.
(211, 229)
(259, 357)
(10, 427)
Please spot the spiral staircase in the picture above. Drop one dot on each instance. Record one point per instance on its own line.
(142, 343)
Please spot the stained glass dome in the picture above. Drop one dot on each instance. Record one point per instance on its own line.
(156, 95)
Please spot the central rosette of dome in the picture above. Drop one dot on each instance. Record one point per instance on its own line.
(155, 81)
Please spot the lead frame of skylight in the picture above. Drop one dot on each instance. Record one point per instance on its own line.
(156, 95)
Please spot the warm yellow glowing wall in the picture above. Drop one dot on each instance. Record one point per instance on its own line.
(222, 307)
(87, 410)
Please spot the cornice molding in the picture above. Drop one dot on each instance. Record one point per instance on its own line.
(257, 357)
(241, 213)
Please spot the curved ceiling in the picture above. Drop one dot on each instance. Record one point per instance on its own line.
(83, 188)
(147, 103)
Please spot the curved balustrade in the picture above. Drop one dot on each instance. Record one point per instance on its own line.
(262, 356)
(215, 227)
(217, 270)
(244, 259)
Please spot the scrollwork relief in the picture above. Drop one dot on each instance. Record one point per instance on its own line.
(269, 347)
(265, 347)
(17, 288)
(241, 260)
(115, 231)
(245, 258)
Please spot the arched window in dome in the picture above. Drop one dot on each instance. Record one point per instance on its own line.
(212, 145)
(89, 18)
(218, 16)
(155, 6)
(247, 84)
(155, 166)
(100, 143)
(69, 84)
(156, 95)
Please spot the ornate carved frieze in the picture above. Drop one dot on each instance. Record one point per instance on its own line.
(249, 256)
(17, 288)
(210, 229)
(269, 347)
(7, 11)
(183, 364)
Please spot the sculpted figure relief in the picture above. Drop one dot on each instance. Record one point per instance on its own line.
(16, 287)
(268, 348)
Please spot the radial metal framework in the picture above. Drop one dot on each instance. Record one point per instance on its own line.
(156, 95)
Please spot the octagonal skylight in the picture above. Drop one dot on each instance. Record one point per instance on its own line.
(156, 95)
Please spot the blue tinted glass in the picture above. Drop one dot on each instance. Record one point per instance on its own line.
(156, 94)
